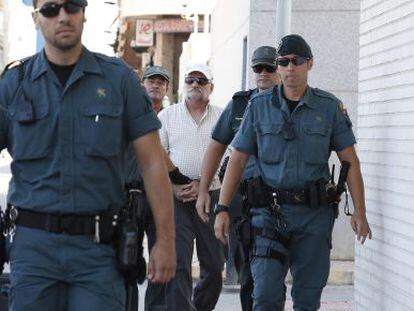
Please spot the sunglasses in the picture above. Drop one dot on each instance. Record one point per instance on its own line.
(260, 68)
(297, 61)
(199, 80)
(52, 9)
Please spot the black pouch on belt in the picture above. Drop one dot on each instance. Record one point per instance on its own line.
(257, 193)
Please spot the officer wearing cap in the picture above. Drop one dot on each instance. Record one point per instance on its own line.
(263, 64)
(292, 130)
(66, 117)
(155, 82)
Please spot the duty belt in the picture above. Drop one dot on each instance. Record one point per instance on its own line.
(102, 225)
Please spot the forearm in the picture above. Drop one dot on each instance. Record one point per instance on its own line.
(169, 163)
(356, 187)
(354, 179)
(232, 177)
(150, 155)
(160, 201)
(211, 162)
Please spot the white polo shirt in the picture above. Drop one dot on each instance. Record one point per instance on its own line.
(186, 141)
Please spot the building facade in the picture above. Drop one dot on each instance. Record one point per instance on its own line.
(384, 266)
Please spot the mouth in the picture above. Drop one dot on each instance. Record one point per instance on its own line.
(64, 31)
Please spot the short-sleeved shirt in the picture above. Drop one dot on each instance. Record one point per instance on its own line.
(226, 129)
(185, 140)
(69, 157)
(287, 162)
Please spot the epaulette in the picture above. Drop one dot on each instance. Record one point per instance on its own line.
(247, 93)
(16, 64)
(325, 94)
(110, 59)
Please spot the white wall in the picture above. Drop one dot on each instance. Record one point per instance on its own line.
(229, 26)
(385, 266)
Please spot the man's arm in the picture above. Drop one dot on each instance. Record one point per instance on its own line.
(162, 263)
(355, 183)
(231, 181)
(211, 162)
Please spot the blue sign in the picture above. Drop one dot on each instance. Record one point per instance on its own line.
(27, 2)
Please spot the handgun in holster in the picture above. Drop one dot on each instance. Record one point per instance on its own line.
(131, 261)
(334, 191)
(3, 254)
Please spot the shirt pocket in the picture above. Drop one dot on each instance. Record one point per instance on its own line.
(102, 130)
(270, 143)
(30, 129)
(316, 143)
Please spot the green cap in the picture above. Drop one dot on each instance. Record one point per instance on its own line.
(264, 55)
(156, 71)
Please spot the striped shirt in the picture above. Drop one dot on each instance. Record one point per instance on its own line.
(185, 140)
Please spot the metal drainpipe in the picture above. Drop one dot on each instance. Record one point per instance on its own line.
(283, 18)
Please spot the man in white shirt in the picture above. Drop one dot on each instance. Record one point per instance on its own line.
(185, 134)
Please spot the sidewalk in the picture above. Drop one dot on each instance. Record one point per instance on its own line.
(334, 298)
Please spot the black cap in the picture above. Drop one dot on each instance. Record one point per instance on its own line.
(82, 3)
(156, 71)
(294, 44)
(264, 55)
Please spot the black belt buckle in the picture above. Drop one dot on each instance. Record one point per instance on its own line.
(298, 197)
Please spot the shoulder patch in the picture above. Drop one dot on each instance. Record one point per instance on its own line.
(345, 113)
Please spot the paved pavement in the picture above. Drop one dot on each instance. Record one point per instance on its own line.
(334, 298)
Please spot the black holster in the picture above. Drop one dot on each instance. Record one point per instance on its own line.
(3, 253)
(130, 251)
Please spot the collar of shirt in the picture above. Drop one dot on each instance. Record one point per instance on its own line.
(87, 63)
(280, 102)
(206, 111)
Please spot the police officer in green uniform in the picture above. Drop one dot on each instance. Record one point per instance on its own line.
(66, 117)
(263, 64)
(292, 130)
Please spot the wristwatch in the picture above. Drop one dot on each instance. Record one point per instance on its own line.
(218, 208)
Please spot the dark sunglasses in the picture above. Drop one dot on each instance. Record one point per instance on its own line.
(52, 9)
(260, 68)
(200, 81)
(297, 61)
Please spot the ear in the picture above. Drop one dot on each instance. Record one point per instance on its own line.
(310, 64)
(34, 17)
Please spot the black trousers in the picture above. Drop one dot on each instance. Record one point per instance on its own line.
(190, 227)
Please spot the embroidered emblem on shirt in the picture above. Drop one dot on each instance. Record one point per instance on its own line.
(101, 92)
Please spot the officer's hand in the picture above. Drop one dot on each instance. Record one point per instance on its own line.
(360, 226)
(203, 205)
(221, 227)
(162, 262)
